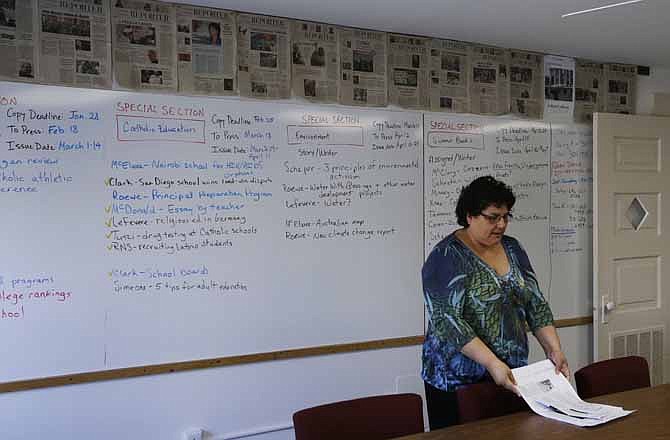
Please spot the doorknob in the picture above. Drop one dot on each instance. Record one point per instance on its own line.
(606, 306)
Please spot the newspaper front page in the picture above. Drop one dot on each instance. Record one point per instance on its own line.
(620, 85)
(263, 56)
(314, 61)
(526, 84)
(559, 88)
(589, 83)
(489, 80)
(75, 46)
(18, 43)
(363, 61)
(143, 37)
(409, 66)
(450, 64)
(206, 50)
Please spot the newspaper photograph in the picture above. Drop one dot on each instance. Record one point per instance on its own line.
(525, 78)
(409, 65)
(489, 80)
(75, 46)
(449, 67)
(620, 84)
(18, 51)
(263, 56)
(314, 61)
(206, 50)
(559, 88)
(589, 83)
(143, 38)
(363, 67)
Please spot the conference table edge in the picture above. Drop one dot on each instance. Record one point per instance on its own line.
(646, 422)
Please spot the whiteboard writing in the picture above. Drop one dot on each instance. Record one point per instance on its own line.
(153, 229)
(549, 170)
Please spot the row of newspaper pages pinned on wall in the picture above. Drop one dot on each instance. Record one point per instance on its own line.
(158, 46)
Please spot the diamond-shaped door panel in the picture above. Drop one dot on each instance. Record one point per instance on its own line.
(636, 213)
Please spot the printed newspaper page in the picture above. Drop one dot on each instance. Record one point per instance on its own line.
(206, 50)
(18, 49)
(409, 62)
(450, 64)
(363, 61)
(75, 46)
(143, 36)
(526, 91)
(489, 81)
(620, 83)
(550, 395)
(589, 83)
(559, 88)
(314, 61)
(263, 56)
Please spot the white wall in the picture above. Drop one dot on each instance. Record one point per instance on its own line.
(222, 401)
(658, 81)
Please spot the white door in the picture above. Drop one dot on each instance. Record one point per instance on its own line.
(631, 239)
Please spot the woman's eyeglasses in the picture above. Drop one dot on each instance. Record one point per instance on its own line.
(495, 218)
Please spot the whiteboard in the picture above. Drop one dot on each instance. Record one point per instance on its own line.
(548, 166)
(142, 229)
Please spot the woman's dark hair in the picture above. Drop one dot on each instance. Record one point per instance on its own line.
(214, 26)
(479, 195)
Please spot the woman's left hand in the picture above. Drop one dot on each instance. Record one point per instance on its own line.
(551, 345)
(560, 362)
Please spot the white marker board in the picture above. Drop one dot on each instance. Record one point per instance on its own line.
(549, 168)
(142, 229)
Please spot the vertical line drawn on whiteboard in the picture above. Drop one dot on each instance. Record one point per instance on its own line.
(423, 201)
(105, 333)
(549, 237)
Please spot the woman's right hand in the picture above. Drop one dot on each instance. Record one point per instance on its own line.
(502, 376)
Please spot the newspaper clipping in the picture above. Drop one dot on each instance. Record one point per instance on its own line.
(589, 82)
(206, 50)
(620, 83)
(75, 49)
(489, 80)
(263, 56)
(450, 64)
(409, 64)
(314, 61)
(143, 35)
(525, 77)
(17, 39)
(363, 61)
(559, 88)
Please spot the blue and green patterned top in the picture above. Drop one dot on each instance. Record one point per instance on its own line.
(466, 298)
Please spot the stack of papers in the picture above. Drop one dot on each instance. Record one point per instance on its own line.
(550, 395)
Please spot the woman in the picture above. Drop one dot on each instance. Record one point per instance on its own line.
(480, 290)
(214, 34)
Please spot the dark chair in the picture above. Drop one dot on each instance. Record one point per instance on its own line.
(369, 418)
(483, 400)
(612, 376)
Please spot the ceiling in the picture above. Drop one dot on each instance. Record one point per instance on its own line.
(636, 34)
